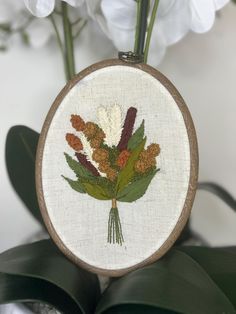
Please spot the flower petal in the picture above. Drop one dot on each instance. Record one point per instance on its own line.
(74, 3)
(39, 32)
(175, 24)
(157, 47)
(40, 8)
(220, 3)
(203, 15)
(120, 14)
(122, 39)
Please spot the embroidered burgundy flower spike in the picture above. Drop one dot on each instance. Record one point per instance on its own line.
(112, 162)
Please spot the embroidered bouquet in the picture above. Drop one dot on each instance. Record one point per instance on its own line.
(112, 162)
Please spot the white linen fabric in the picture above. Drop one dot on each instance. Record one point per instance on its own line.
(80, 220)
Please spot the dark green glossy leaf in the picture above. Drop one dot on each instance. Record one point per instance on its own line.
(175, 283)
(39, 272)
(75, 185)
(136, 189)
(137, 309)
(21, 145)
(126, 174)
(137, 137)
(220, 264)
(79, 170)
(219, 191)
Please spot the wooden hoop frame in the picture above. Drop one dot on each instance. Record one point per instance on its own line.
(193, 167)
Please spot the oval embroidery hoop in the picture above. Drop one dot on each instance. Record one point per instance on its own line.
(78, 230)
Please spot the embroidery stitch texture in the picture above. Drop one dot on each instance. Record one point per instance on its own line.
(112, 162)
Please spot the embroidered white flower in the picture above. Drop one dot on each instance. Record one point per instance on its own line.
(88, 151)
(110, 120)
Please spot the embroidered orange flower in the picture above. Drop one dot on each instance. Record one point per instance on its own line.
(90, 129)
(104, 166)
(147, 158)
(77, 122)
(100, 154)
(140, 166)
(111, 174)
(154, 149)
(74, 142)
(123, 158)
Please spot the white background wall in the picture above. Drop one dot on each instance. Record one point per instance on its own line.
(203, 68)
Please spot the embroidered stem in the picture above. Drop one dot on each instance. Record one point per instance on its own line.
(114, 226)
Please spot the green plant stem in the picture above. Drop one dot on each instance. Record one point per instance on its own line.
(59, 41)
(141, 26)
(150, 28)
(80, 29)
(68, 42)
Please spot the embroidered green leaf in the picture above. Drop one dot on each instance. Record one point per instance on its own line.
(136, 189)
(76, 185)
(127, 172)
(137, 137)
(97, 191)
(78, 169)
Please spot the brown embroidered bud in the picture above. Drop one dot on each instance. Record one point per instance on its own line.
(104, 166)
(87, 164)
(123, 158)
(111, 174)
(100, 154)
(90, 129)
(74, 142)
(127, 128)
(153, 149)
(140, 166)
(77, 122)
(151, 162)
(95, 142)
(144, 156)
(100, 134)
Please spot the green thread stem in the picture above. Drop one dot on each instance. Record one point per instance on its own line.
(150, 29)
(114, 226)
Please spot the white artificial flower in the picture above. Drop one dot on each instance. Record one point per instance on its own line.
(43, 8)
(110, 120)
(175, 18)
(39, 32)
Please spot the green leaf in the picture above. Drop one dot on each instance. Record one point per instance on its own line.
(78, 169)
(75, 185)
(176, 283)
(39, 272)
(20, 152)
(136, 189)
(220, 264)
(219, 191)
(97, 191)
(137, 137)
(126, 174)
